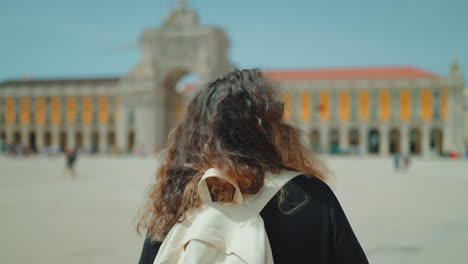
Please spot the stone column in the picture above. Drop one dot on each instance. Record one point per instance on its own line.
(24, 136)
(54, 133)
(160, 114)
(404, 138)
(363, 131)
(448, 132)
(344, 140)
(40, 138)
(103, 144)
(86, 130)
(71, 134)
(458, 128)
(425, 139)
(9, 135)
(121, 129)
(146, 131)
(324, 138)
(384, 139)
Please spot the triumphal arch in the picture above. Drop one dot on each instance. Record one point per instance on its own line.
(149, 99)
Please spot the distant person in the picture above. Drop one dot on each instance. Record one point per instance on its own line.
(233, 147)
(396, 161)
(406, 161)
(71, 157)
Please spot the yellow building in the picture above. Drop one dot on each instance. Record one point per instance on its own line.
(375, 110)
(367, 110)
(61, 114)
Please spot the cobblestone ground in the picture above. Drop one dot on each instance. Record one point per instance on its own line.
(419, 216)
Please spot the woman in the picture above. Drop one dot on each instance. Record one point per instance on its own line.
(235, 124)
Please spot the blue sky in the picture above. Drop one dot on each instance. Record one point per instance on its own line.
(56, 39)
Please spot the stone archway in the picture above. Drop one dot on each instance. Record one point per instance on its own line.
(334, 141)
(180, 46)
(315, 140)
(3, 143)
(111, 140)
(436, 140)
(47, 139)
(373, 139)
(353, 140)
(94, 142)
(63, 141)
(78, 140)
(394, 143)
(17, 137)
(130, 140)
(32, 141)
(415, 141)
(172, 97)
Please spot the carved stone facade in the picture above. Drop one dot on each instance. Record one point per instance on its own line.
(181, 46)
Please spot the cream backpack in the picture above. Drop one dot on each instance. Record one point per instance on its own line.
(224, 233)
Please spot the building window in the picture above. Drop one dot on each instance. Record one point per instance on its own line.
(395, 104)
(334, 105)
(17, 110)
(315, 106)
(79, 109)
(2, 111)
(32, 110)
(47, 106)
(354, 106)
(95, 110)
(374, 106)
(287, 106)
(415, 105)
(131, 116)
(436, 106)
(111, 109)
(63, 109)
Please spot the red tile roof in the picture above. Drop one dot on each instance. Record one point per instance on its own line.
(60, 82)
(350, 74)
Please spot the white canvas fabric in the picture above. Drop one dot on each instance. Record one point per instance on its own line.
(224, 233)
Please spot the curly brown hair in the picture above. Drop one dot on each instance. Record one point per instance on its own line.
(234, 124)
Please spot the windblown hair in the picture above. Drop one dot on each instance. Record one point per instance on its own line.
(234, 124)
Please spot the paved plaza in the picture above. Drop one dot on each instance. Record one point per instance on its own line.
(419, 216)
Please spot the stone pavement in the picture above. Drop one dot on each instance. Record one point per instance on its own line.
(419, 216)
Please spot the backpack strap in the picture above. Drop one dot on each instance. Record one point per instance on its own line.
(204, 192)
(273, 183)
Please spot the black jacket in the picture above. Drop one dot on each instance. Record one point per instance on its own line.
(318, 232)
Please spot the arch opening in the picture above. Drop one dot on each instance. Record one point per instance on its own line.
(353, 141)
(78, 139)
(415, 141)
(315, 140)
(334, 141)
(436, 141)
(111, 140)
(176, 83)
(47, 139)
(94, 142)
(63, 141)
(394, 143)
(3, 143)
(373, 139)
(130, 140)
(16, 138)
(32, 141)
